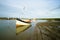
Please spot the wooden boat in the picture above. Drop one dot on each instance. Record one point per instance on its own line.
(22, 25)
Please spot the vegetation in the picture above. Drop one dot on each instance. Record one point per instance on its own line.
(6, 18)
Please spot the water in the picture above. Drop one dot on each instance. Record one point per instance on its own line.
(7, 29)
(30, 32)
(34, 33)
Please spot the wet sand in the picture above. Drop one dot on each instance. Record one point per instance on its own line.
(41, 31)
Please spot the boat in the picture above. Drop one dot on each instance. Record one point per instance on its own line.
(22, 25)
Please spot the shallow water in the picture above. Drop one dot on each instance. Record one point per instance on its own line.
(7, 29)
(30, 32)
(33, 33)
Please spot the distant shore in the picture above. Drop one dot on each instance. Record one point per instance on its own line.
(6, 18)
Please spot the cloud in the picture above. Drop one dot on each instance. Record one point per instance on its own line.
(33, 8)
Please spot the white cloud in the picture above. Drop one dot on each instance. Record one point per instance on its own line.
(32, 8)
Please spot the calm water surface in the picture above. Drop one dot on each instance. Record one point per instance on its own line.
(7, 29)
(30, 32)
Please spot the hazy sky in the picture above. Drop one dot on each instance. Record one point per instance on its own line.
(30, 8)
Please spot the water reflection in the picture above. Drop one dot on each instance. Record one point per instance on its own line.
(41, 30)
(7, 30)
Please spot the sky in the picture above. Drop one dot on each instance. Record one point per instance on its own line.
(30, 8)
